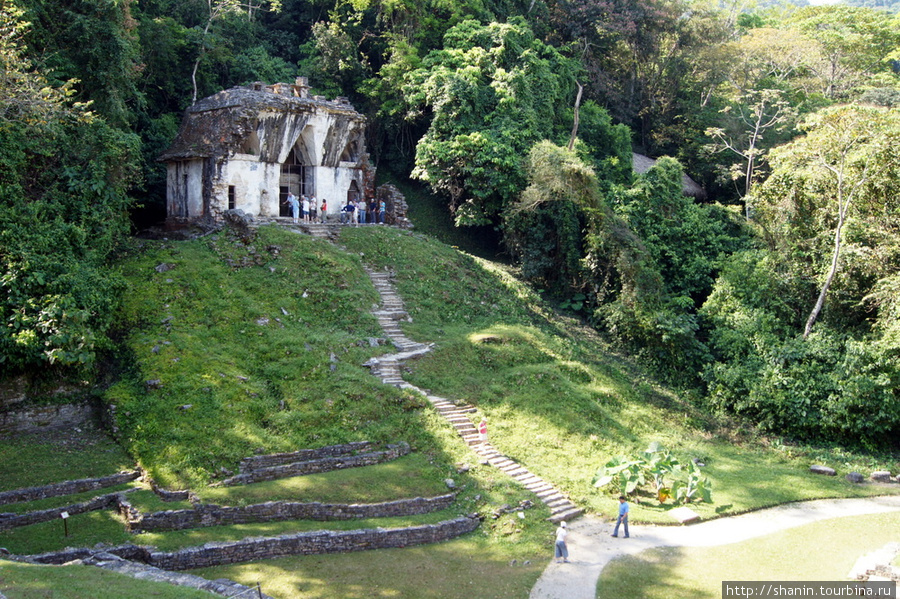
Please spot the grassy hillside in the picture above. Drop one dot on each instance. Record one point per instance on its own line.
(231, 348)
(561, 401)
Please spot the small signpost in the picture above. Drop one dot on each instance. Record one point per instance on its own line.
(65, 519)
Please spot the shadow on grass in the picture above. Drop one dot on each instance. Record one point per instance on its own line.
(461, 569)
(648, 576)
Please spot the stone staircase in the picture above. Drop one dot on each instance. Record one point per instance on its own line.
(389, 369)
(329, 230)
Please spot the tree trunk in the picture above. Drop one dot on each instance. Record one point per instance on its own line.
(843, 202)
(575, 124)
(834, 265)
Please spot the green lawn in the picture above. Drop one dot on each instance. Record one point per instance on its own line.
(28, 581)
(822, 551)
(31, 460)
(467, 568)
(260, 348)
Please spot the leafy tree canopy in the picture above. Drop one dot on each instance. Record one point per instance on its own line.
(492, 92)
(64, 174)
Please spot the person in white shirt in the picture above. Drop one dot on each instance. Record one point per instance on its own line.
(561, 550)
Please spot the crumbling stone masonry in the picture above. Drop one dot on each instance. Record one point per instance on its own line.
(203, 515)
(285, 470)
(247, 147)
(252, 549)
(67, 488)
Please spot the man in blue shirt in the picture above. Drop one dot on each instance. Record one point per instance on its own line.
(623, 517)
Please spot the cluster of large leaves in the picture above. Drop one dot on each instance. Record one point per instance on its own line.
(655, 464)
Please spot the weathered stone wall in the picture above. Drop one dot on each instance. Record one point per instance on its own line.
(315, 466)
(277, 459)
(46, 418)
(67, 488)
(310, 543)
(396, 207)
(130, 552)
(101, 502)
(252, 549)
(220, 586)
(215, 515)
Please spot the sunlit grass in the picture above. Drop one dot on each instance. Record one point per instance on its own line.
(85, 530)
(560, 400)
(93, 456)
(461, 569)
(822, 551)
(229, 362)
(29, 581)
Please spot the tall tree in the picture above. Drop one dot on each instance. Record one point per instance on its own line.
(220, 9)
(845, 166)
(91, 42)
(856, 42)
(64, 176)
(492, 92)
(754, 114)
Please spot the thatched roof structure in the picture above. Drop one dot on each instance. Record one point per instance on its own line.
(640, 164)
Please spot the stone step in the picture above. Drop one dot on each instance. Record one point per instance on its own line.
(538, 485)
(528, 480)
(563, 516)
(548, 492)
(389, 314)
(517, 472)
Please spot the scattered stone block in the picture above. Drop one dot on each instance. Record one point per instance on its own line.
(819, 469)
(685, 515)
(855, 477)
(881, 476)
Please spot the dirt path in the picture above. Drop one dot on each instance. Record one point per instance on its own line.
(591, 547)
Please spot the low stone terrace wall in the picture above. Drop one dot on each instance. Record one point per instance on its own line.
(67, 488)
(214, 515)
(319, 465)
(220, 586)
(278, 459)
(252, 549)
(309, 543)
(102, 502)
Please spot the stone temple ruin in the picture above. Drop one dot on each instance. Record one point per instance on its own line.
(246, 147)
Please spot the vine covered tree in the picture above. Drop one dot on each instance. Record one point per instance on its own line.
(846, 166)
(62, 214)
(492, 92)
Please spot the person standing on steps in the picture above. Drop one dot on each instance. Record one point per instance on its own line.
(623, 517)
(304, 209)
(294, 204)
(323, 211)
(561, 552)
(482, 430)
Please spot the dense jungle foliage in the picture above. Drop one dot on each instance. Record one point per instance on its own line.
(774, 296)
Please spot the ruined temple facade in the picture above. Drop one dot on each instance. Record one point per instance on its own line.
(247, 147)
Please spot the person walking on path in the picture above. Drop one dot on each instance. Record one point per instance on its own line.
(561, 550)
(623, 517)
